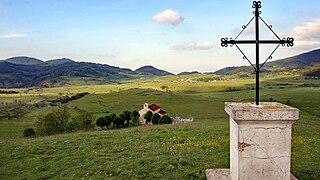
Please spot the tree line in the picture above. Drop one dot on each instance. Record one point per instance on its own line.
(59, 121)
(155, 118)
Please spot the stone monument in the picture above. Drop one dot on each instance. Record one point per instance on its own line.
(260, 133)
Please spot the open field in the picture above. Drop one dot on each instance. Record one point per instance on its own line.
(181, 151)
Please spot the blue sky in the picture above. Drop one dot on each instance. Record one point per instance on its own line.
(173, 35)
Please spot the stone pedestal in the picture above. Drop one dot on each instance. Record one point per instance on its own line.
(260, 141)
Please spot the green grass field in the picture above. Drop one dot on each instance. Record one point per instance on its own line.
(181, 151)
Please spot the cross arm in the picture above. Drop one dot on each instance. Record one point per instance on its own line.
(285, 41)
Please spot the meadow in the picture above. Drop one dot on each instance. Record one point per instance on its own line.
(180, 151)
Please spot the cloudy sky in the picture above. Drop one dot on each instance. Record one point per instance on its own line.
(180, 35)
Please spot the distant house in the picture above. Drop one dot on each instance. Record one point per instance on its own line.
(153, 108)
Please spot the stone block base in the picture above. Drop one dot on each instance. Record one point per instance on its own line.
(224, 174)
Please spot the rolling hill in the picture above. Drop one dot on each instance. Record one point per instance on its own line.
(153, 71)
(19, 72)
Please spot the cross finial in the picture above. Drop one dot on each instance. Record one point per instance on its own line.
(285, 41)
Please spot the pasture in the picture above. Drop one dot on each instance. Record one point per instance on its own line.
(181, 151)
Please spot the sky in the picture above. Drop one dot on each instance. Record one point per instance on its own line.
(175, 35)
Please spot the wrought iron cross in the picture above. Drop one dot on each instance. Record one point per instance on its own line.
(285, 41)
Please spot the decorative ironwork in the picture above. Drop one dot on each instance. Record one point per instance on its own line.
(284, 42)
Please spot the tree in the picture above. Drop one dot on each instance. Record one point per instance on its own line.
(165, 120)
(118, 121)
(108, 121)
(123, 116)
(135, 113)
(29, 132)
(72, 125)
(155, 118)
(112, 116)
(85, 120)
(56, 121)
(135, 120)
(127, 116)
(147, 116)
(101, 121)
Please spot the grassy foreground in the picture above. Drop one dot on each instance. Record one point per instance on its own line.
(181, 151)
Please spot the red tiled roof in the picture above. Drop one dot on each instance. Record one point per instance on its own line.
(162, 112)
(153, 107)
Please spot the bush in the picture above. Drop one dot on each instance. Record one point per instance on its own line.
(147, 116)
(135, 114)
(165, 120)
(127, 116)
(135, 120)
(155, 118)
(108, 121)
(72, 125)
(101, 121)
(56, 121)
(29, 132)
(118, 121)
(112, 116)
(85, 120)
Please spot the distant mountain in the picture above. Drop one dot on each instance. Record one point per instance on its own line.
(188, 73)
(24, 60)
(59, 72)
(152, 70)
(58, 61)
(295, 62)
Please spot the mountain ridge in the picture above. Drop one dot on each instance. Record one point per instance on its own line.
(22, 71)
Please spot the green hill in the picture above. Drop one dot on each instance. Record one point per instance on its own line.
(153, 71)
(57, 73)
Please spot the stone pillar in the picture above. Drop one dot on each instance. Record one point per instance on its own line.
(260, 141)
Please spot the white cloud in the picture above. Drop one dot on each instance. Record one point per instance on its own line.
(193, 46)
(307, 35)
(13, 35)
(168, 16)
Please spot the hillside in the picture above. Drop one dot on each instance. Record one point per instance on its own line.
(297, 62)
(56, 73)
(153, 71)
(21, 72)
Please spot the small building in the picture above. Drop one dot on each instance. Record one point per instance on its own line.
(153, 108)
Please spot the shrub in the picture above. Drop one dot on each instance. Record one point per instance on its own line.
(112, 116)
(85, 120)
(29, 132)
(72, 125)
(56, 121)
(108, 121)
(135, 114)
(165, 120)
(118, 121)
(101, 121)
(127, 116)
(135, 120)
(147, 116)
(155, 118)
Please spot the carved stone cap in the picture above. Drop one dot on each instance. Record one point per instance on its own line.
(266, 111)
